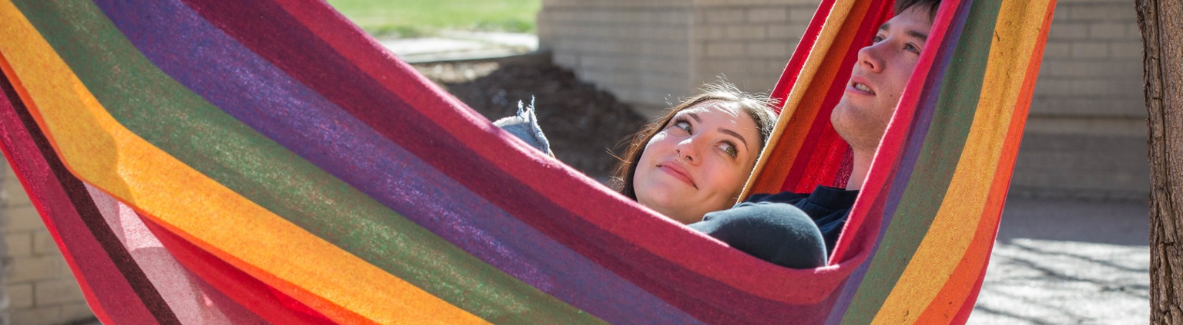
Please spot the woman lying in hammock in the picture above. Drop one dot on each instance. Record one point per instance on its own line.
(695, 159)
(691, 165)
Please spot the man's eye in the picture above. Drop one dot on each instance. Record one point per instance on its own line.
(912, 47)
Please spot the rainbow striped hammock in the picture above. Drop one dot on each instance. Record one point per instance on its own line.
(264, 161)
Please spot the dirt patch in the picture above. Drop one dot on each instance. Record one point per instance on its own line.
(585, 125)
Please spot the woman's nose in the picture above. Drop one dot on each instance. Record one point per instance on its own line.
(687, 150)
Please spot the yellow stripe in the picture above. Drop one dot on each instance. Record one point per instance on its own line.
(820, 52)
(948, 239)
(102, 152)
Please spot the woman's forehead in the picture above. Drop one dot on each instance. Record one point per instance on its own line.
(726, 108)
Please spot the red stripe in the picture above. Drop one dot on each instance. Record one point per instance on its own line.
(467, 149)
(793, 70)
(262, 299)
(114, 286)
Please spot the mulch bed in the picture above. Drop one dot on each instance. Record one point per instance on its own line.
(587, 127)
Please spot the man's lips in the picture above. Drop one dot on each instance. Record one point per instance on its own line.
(679, 172)
(858, 84)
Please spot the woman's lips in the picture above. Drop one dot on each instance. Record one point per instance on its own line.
(678, 172)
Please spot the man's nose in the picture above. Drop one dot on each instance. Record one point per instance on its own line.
(870, 57)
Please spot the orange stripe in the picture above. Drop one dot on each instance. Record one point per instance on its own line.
(973, 191)
(819, 71)
(969, 271)
(102, 152)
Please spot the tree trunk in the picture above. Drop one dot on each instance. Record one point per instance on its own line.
(1161, 22)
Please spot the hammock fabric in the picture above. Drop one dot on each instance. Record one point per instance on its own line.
(217, 162)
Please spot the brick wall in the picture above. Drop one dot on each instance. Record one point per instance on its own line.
(39, 286)
(650, 53)
(1086, 135)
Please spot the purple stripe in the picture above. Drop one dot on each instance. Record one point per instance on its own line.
(926, 108)
(233, 78)
(918, 130)
(447, 137)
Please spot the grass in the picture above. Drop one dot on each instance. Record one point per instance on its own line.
(415, 18)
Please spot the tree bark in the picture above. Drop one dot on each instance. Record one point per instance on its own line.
(1161, 22)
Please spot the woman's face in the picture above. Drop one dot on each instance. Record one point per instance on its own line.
(698, 162)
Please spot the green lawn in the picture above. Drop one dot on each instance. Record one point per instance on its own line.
(411, 18)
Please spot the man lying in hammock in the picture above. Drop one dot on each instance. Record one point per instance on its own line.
(796, 230)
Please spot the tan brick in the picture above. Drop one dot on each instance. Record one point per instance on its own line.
(20, 219)
(43, 244)
(1090, 50)
(15, 192)
(25, 269)
(1080, 68)
(19, 244)
(1108, 30)
(1063, 13)
(712, 32)
(723, 16)
(20, 295)
(781, 32)
(1126, 50)
(37, 316)
(769, 50)
(1107, 87)
(1057, 50)
(746, 32)
(57, 292)
(768, 15)
(801, 14)
(1047, 86)
(1068, 31)
(1104, 12)
(77, 312)
(725, 49)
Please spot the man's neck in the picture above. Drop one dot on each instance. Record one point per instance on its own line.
(858, 172)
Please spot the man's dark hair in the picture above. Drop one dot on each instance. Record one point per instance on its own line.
(928, 5)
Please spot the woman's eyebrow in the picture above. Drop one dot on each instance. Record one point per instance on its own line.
(695, 116)
(735, 134)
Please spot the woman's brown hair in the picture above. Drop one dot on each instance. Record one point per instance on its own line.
(756, 105)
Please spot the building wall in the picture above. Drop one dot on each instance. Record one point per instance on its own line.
(1086, 134)
(38, 287)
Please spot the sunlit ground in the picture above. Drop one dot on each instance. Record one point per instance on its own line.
(1068, 262)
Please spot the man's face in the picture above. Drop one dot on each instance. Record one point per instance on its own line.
(879, 77)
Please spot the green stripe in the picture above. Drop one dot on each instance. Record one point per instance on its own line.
(933, 172)
(171, 117)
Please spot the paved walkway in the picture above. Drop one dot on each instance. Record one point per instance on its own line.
(461, 45)
(1068, 262)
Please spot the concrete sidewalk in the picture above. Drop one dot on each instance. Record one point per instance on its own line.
(461, 45)
(1068, 262)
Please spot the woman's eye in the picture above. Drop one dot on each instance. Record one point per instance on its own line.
(876, 39)
(729, 149)
(685, 126)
